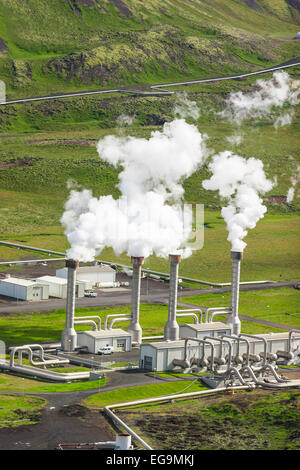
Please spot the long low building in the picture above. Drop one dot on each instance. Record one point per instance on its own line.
(92, 275)
(23, 289)
(58, 286)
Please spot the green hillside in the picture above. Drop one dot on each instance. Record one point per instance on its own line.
(66, 45)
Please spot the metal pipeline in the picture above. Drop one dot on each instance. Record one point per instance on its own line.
(29, 348)
(114, 320)
(260, 339)
(214, 309)
(203, 342)
(188, 310)
(290, 339)
(91, 317)
(222, 341)
(192, 315)
(221, 312)
(118, 315)
(87, 322)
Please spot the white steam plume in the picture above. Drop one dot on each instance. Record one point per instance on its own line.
(294, 181)
(280, 90)
(240, 182)
(148, 217)
(186, 108)
(124, 120)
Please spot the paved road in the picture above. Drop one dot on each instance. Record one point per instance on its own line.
(157, 295)
(154, 89)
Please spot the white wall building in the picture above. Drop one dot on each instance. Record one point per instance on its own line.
(23, 289)
(92, 275)
(58, 286)
(94, 340)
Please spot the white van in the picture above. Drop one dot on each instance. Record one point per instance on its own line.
(106, 350)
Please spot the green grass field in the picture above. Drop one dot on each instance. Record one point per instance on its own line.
(100, 400)
(19, 410)
(20, 328)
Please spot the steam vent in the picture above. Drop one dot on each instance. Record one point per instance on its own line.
(234, 320)
(135, 328)
(171, 331)
(69, 337)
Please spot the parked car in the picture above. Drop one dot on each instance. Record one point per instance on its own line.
(90, 293)
(106, 350)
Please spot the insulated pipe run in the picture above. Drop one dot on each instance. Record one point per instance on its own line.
(86, 322)
(234, 320)
(91, 317)
(135, 328)
(117, 315)
(261, 339)
(192, 315)
(114, 320)
(203, 342)
(171, 330)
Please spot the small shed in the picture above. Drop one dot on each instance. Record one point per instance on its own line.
(94, 340)
(91, 274)
(199, 330)
(23, 289)
(58, 286)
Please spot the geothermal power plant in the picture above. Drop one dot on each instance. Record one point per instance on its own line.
(202, 345)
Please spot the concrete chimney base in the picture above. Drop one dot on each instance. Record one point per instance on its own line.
(135, 330)
(69, 340)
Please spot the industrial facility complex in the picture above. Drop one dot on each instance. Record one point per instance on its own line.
(223, 350)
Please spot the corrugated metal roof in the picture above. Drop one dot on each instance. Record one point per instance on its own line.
(105, 333)
(95, 269)
(18, 281)
(207, 326)
(53, 279)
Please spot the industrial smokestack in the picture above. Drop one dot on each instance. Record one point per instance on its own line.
(69, 336)
(234, 320)
(135, 328)
(171, 331)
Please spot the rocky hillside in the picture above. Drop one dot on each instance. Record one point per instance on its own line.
(66, 45)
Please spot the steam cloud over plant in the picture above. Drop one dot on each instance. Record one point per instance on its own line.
(148, 217)
(240, 182)
(279, 91)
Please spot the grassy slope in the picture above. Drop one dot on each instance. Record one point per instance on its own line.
(63, 45)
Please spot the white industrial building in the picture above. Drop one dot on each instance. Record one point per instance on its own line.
(58, 286)
(23, 289)
(91, 275)
(159, 355)
(94, 340)
(199, 330)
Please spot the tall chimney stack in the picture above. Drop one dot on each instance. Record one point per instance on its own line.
(171, 331)
(234, 320)
(135, 328)
(69, 336)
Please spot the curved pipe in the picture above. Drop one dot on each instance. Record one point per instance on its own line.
(29, 348)
(233, 369)
(290, 339)
(221, 341)
(203, 342)
(118, 315)
(214, 309)
(260, 339)
(87, 322)
(193, 315)
(188, 310)
(91, 317)
(221, 312)
(279, 379)
(114, 320)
